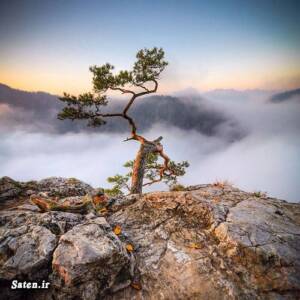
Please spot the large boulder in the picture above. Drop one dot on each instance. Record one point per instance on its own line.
(28, 239)
(55, 187)
(26, 252)
(63, 187)
(261, 238)
(88, 259)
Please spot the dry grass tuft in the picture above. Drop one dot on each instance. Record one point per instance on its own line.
(222, 183)
(259, 194)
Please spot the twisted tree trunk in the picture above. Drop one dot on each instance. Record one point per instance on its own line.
(139, 169)
(139, 165)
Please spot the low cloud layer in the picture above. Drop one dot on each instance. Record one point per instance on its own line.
(256, 146)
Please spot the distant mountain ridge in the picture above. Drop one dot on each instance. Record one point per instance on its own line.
(37, 111)
(286, 96)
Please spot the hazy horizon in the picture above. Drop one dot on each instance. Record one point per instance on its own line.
(184, 90)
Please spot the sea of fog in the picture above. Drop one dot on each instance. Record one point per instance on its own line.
(266, 159)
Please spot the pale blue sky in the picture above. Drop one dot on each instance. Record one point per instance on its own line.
(49, 45)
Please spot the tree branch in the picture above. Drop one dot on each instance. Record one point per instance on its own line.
(124, 91)
(165, 167)
(132, 124)
(143, 87)
(139, 95)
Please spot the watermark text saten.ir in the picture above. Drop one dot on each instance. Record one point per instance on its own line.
(15, 284)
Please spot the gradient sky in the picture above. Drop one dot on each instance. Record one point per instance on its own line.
(49, 45)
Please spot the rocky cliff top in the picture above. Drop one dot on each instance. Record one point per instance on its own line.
(208, 242)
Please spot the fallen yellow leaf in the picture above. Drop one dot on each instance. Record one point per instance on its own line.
(129, 247)
(216, 200)
(99, 199)
(195, 246)
(117, 230)
(136, 285)
(103, 210)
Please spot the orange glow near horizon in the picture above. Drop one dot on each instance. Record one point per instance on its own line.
(49, 78)
(57, 83)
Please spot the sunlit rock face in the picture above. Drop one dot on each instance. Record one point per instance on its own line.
(207, 242)
(214, 242)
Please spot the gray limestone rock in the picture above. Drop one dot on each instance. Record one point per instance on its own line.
(88, 259)
(208, 242)
(9, 189)
(63, 187)
(26, 252)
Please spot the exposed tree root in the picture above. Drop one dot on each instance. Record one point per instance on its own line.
(45, 205)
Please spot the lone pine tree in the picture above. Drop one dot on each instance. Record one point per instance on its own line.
(151, 173)
(140, 81)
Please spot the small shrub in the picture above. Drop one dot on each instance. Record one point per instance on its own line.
(72, 180)
(114, 192)
(177, 188)
(259, 194)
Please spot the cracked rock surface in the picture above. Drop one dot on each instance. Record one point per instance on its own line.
(209, 242)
